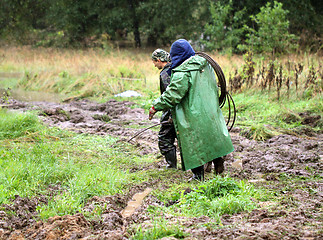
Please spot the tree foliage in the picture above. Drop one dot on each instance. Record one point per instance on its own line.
(164, 21)
(272, 33)
(225, 30)
(18, 18)
(150, 22)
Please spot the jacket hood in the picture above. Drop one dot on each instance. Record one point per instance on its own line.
(192, 64)
(180, 51)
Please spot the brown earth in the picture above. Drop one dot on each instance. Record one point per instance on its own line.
(298, 215)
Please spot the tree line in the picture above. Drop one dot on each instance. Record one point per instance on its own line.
(214, 24)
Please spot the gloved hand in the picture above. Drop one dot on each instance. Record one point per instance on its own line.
(152, 112)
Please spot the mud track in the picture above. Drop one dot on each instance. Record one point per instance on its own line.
(111, 118)
(297, 216)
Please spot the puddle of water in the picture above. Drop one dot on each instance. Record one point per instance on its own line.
(237, 164)
(266, 204)
(32, 96)
(4, 75)
(134, 203)
(259, 175)
(256, 180)
(27, 96)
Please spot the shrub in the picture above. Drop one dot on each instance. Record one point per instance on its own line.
(272, 31)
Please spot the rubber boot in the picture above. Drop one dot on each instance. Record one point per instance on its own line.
(218, 165)
(208, 167)
(171, 159)
(198, 174)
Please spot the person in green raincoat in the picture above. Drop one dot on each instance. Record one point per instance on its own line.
(192, 96)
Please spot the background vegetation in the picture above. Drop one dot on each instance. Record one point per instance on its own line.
(272, 94)
(216, 25)
(270, 52)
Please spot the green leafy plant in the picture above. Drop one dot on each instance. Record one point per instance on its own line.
(272, 33)
(217, 197)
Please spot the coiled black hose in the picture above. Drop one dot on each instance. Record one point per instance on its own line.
(223, 98)
(224, 94)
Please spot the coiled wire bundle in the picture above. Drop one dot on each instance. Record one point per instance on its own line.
(224, 94)
(223, 98)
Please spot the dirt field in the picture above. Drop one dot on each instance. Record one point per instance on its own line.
(297, 216)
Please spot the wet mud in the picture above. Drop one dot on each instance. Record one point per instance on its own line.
(113, 118)
(297, 216)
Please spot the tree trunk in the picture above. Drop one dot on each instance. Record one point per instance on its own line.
(135, 22)
(152, 40)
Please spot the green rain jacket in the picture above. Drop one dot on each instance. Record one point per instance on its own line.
(193, 99)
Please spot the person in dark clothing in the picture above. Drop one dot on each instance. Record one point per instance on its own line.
(166, 135)
(192, 96)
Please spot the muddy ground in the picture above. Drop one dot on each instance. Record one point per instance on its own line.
(298, 215)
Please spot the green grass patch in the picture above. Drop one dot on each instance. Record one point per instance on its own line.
(218, 196)
(15, 125)
(261, 116)
(160, 228)
(8, 82)
(80, 166)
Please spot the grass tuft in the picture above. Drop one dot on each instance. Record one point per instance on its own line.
(16, 125)
(218, 196)
(159, 229)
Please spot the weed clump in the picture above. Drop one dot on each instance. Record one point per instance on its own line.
(218, 196)
(218, 188)
(17, 125)
(259, 132)
(104, 118)
(160, 229)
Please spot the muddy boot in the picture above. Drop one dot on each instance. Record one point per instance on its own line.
(208, 167)
(198, 174)
(218, 165)
(171, 159)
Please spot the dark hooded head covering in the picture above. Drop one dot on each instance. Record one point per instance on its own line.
(179, 52)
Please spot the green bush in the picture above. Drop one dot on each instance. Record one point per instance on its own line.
(271, 33)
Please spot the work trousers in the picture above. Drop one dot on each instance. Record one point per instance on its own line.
(167, 134)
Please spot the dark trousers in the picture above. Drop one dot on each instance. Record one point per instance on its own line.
(167, 134)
